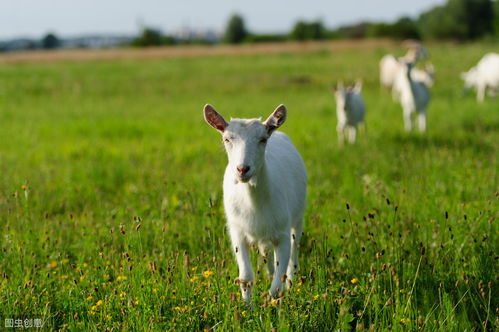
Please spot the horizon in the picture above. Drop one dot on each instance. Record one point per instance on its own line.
(31, 19)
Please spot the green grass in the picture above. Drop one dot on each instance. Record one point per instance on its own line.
(122, 210)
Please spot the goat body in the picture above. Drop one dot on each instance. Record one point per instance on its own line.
(350, 111)
(484, 76)
(413, 95)
(264, 195)
(389, 66)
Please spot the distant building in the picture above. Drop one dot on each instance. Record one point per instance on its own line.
(96, 41)
(89, 41)
(183, 35)
(187, 34)
(20, 44)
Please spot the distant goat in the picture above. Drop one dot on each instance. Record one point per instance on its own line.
(389, 65)
(413, 95)
(350, 110)
(264, 195)
(426, 76)
(484, 76)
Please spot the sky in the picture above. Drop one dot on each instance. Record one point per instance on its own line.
(35, 18)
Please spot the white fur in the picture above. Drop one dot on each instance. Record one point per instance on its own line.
(350, 111)
(413, 95)
(426, 76)
(389, 66)
(484, 76)
(265, 205)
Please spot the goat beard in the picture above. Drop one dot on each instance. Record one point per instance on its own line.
(251, 182)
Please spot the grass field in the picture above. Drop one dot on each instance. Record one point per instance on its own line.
(111, 215)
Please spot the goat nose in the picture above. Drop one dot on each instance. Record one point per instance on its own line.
(243, 169)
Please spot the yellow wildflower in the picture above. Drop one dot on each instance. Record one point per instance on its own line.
(194, 279)
(316, 297)
(90, 298)
(405, 321)
(354, 281)
(120, 278)
(53, 264)
(183, 309)
(207, 274)
(98, 303)
(24, 187)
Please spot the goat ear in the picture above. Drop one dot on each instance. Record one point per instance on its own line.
(358, 85)
(214, 119)
(276, 119)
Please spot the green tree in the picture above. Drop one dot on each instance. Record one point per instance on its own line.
(50, 41)
(496, 17)
(148, 37)
(308, 31)
(458, 19)
(299, 31)
(152, 37)
(404, 28)
(235, 31)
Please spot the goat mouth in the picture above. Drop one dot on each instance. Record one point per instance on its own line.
(244, 178)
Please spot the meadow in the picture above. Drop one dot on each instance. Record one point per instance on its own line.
(111, 213)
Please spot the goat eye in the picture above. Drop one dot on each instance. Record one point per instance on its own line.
(226, 140)
(263, 140)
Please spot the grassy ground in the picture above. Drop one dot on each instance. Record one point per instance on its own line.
(110, 196)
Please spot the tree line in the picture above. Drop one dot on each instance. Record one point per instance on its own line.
(461, 20)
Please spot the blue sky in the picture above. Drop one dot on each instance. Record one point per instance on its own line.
(34, 18)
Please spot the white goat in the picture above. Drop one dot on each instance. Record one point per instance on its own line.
(264, 195)
(413, 95)
(389, 65)
(426, 76)
(484, 76)
(350, 111)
